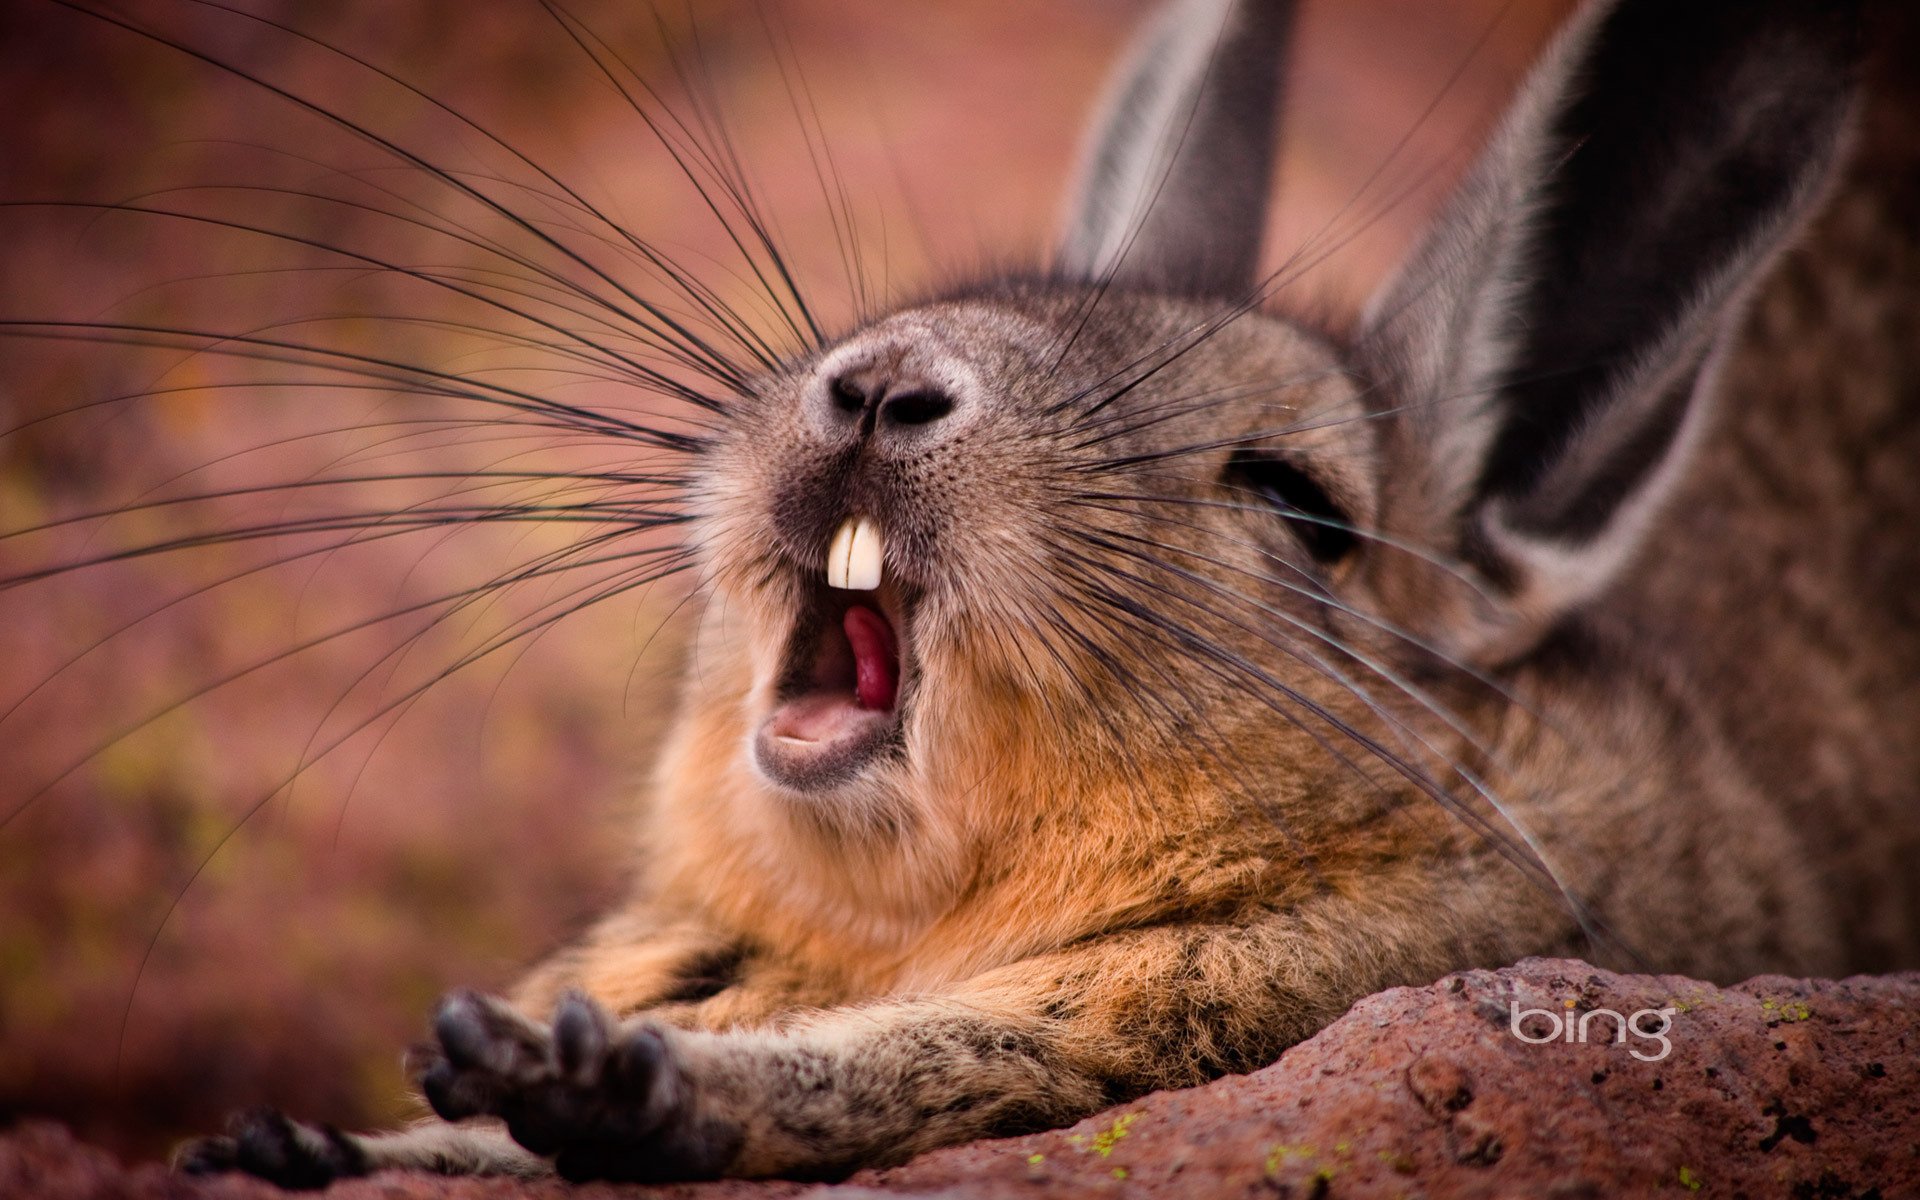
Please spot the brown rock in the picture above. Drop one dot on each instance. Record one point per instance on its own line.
(1777, 1087)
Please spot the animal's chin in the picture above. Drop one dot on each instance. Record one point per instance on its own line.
(842, 691)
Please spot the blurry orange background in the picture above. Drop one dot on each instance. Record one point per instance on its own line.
(223, 886)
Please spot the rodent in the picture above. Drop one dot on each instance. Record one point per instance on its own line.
(1197, 671)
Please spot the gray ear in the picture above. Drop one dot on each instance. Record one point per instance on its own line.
(1174, 191)
(1548, 348)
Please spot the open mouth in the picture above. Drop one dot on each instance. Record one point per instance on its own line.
(837, 705)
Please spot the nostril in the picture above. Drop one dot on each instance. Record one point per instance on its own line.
(875, 395)
(916, 407)
(847, 395)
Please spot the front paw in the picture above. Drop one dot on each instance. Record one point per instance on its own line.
(265, 1143)
(604, 1101)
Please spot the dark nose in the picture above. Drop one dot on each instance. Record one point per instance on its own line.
(879, 399)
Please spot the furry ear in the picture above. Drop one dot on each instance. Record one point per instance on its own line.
(1173, 193)
(1547, 349)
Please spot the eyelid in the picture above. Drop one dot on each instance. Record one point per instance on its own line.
(1322, 526)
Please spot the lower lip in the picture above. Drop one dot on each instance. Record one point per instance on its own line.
(819, 742)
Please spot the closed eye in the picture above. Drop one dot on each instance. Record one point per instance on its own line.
(1321, 525)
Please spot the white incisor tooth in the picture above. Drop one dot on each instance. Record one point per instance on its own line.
(837, 554)
(854, 558)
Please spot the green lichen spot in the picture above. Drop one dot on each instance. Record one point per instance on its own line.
(1397, 1162)
(1689, 1180)
(1034, 1160)
(1119, 1172)
(1278, 1156)
(1104, 1141)
(1786, 1010)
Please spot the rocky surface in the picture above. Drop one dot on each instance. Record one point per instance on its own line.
(1776, 1087)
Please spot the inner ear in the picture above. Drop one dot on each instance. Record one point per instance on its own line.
(1320, 523)
(1549, 352)
(1173, 190)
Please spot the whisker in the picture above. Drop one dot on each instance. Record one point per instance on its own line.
(691, 341)
(1520, 854)
(360, 365)
(206, 859)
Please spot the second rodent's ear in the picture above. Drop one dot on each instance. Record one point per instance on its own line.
(1544, 359)
(1173, 193)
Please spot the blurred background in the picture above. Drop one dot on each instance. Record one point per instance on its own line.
(262, 799)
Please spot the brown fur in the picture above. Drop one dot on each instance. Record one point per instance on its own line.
(1106, 861)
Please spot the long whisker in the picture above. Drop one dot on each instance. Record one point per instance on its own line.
(396, 706)
(1271, 689)
(699, 151)
(1310, 587)
(357, 626)
(637, 369)
(365, 366)
(1153, 554)
(665, 321)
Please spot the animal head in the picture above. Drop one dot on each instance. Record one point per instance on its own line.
(1128, 512)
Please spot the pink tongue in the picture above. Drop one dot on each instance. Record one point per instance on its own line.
(876, 662)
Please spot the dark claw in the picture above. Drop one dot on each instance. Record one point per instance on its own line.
(456, 1094)
(488, 1054)
(465, 1039)
(580, 1037)
(479, 1033)
(264, 1143)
